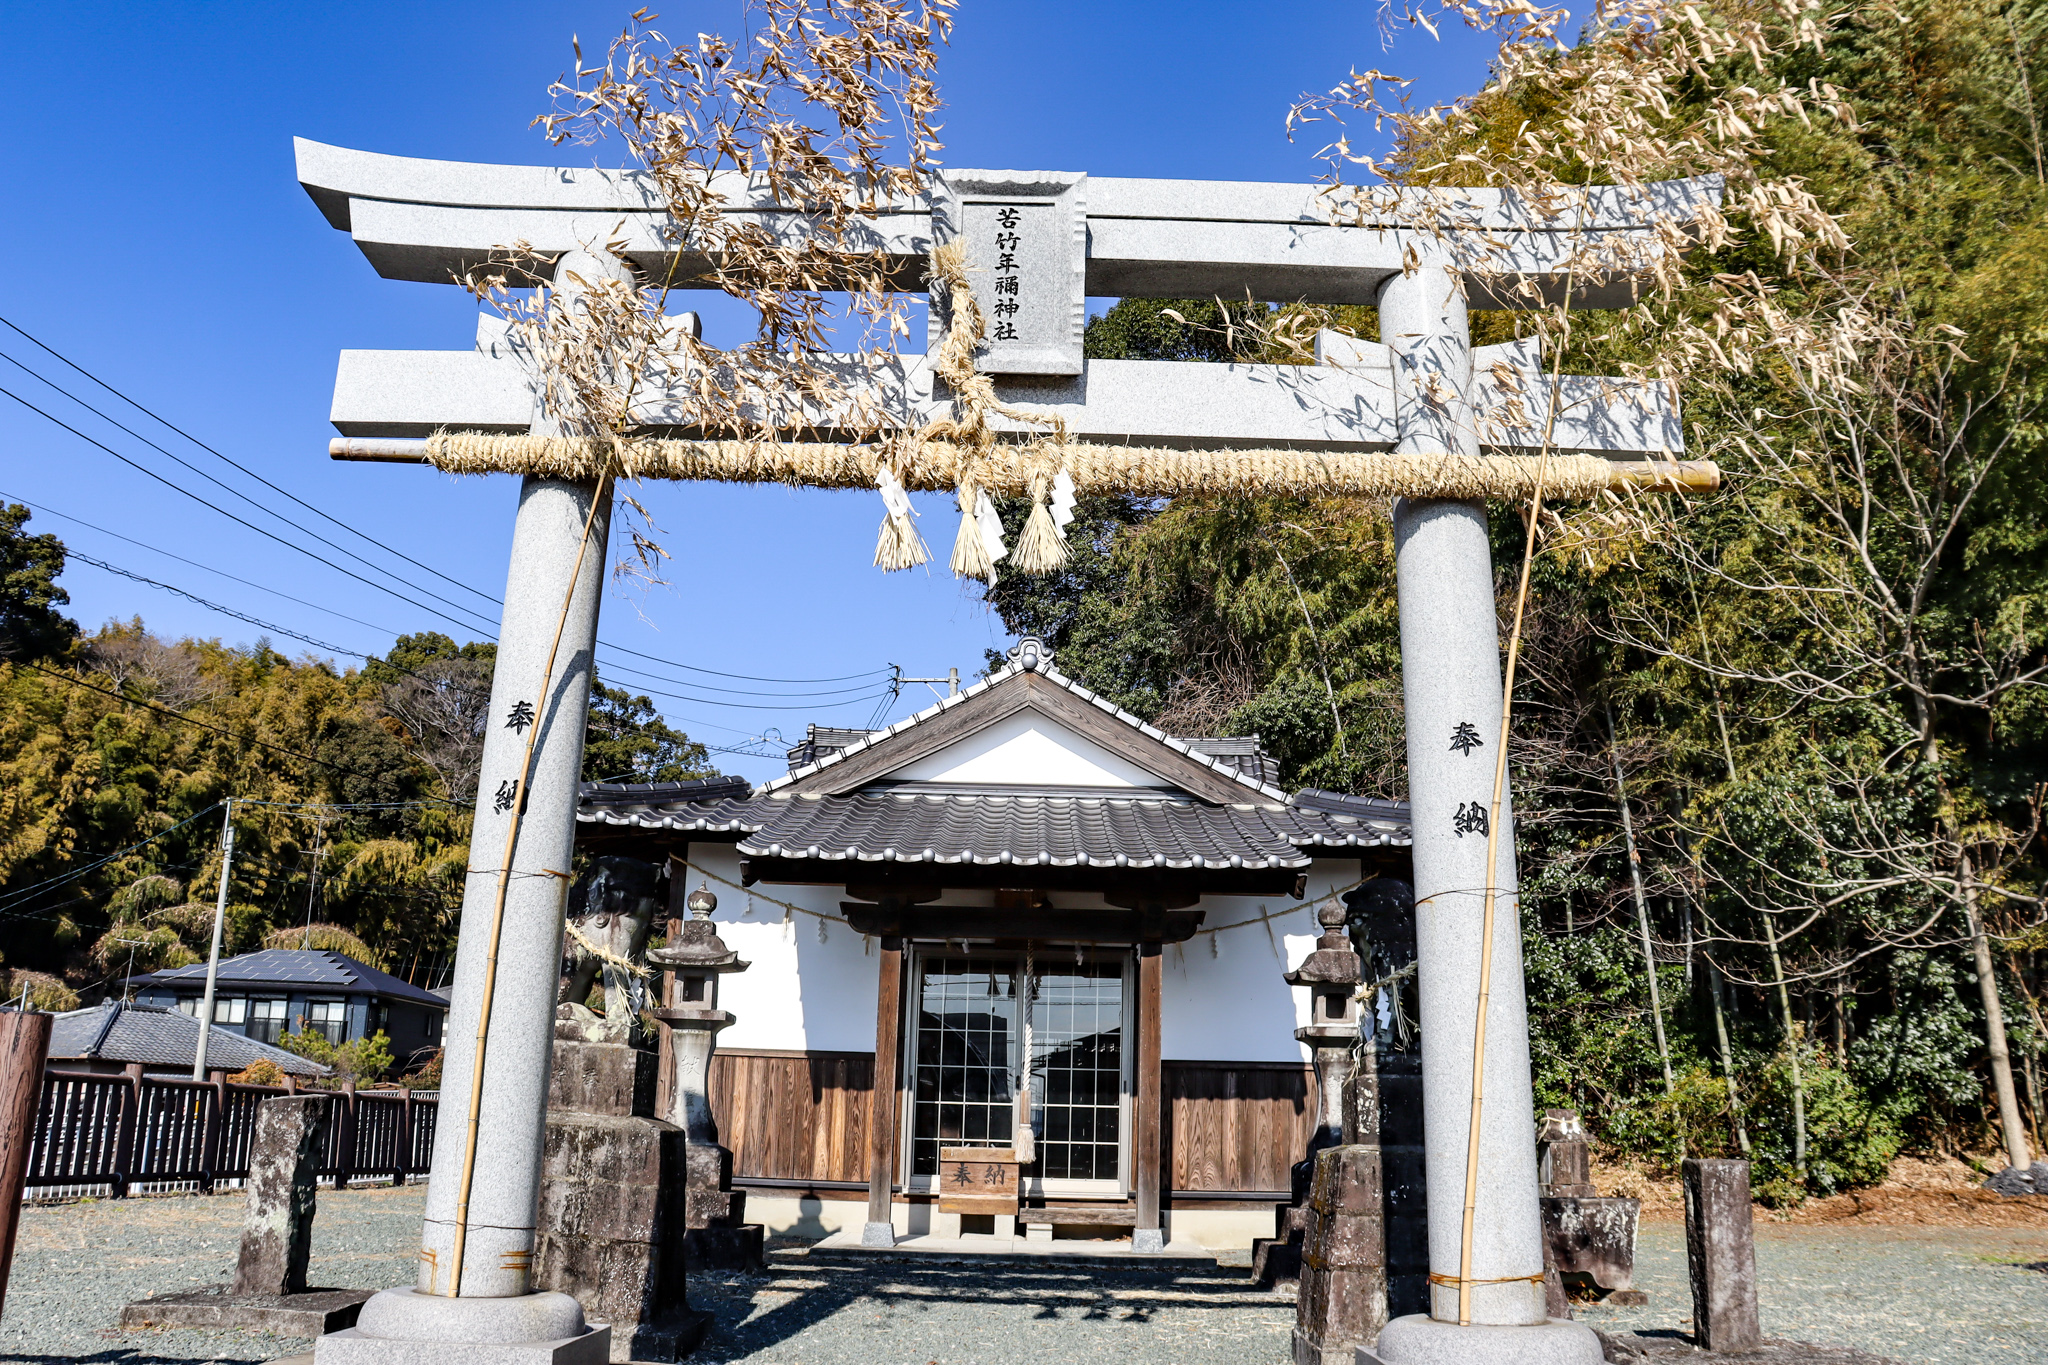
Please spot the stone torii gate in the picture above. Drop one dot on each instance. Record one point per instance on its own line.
(1057, 239)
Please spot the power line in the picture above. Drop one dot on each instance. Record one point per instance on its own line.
(703, 701)
(239, 521)
(351, 529)
(12, 897)
(359, 654)
(213, 606)
(244, 469)
(232, 578)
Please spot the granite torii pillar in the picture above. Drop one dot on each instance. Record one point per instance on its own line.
(1451, 685)
(486, 1309)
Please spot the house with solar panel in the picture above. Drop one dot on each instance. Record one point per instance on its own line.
(267, 994)
(1022, 891)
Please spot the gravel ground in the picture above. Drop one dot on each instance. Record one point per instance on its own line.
(77, 1265)
(1929, 1296)
(968, 1315)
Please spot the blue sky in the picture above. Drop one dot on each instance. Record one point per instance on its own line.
(156, 237)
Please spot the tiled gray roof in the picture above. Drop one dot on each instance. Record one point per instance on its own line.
(315, 969)
(1016, 826)
(1028, 831)
(117, 1032)
(727, 816)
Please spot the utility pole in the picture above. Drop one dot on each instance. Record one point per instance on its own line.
(313, 878)
(952, 681)
(220, 914)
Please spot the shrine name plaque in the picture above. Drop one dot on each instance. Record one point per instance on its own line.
(1026, 234)
(977, 1180)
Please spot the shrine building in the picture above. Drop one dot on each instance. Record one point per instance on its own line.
(896, 891)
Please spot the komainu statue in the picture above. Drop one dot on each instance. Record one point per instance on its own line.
(610, 912)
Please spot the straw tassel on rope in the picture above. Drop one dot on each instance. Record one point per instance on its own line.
(897, 545)
(1042, 548)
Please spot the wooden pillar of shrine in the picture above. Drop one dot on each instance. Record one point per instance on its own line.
(1145, 1145)
(880, 1229)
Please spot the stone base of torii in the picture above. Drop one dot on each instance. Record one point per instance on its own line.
(486, 1166)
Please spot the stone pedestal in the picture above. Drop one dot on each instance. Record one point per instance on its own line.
(1720, 1254)
(611, 1202)
(1342, 1302)
(269, 1292)
(1589, 1242)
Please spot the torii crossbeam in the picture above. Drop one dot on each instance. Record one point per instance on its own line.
(1421, 390)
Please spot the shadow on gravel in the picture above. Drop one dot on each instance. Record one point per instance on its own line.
(798, 1295)
(129, 1355)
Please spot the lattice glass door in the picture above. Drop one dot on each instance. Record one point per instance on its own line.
(963, 1093)
(967, 1044)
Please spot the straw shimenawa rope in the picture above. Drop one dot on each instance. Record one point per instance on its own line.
(1007, 469)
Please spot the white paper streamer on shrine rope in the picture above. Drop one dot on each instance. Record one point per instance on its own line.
(991, 527)
(1063, 498)
(897, 545)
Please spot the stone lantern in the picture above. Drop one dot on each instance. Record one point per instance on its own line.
(718, 1235)
(1332, 973)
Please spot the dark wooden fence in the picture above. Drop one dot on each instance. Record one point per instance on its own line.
(128, 1130)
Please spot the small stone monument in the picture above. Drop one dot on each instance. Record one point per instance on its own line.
(611, 1197)
(1331, 972)
(719, 1236)
(1720, 1253)
(1589, 1242)
(269, 1292)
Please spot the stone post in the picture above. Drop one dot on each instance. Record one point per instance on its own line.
(1720, 1253)
(1451, 684)
(511, 1111)
(284, 1161)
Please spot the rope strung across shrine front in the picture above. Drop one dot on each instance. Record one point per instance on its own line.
(1009, 469)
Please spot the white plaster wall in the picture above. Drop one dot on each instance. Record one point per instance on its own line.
(800, 993)
(1222, 996)
(1028, 749)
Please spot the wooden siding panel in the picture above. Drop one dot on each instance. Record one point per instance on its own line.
(793, 1116)
(1236, 1126)
(1228, 1127)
